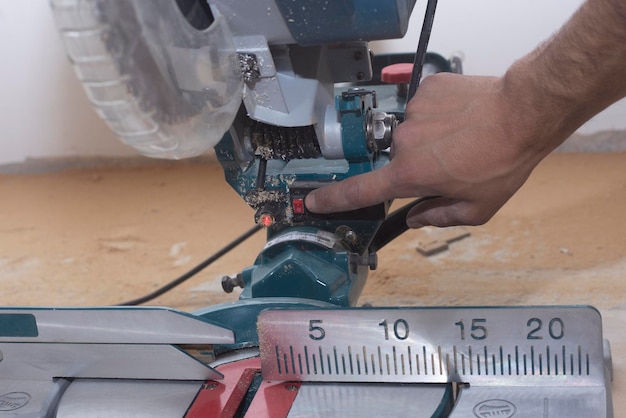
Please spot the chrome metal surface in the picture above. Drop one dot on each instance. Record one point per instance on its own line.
(490, 346)
(113, 399)
(533, 402)
(362, 400)
(118, 325)
(512, 362)
(27, 398)
(46, 361)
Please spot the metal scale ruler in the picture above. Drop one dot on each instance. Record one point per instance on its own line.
(460, 362)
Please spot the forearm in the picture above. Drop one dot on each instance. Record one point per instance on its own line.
(571, 77)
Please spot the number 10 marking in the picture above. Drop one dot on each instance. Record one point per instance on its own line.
(400, 329)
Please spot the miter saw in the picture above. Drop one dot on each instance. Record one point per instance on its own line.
(290, 97)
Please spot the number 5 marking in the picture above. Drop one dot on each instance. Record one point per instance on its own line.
(316, 332)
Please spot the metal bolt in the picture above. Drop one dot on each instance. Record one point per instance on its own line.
(369, 260)
(347, 234)
(211, 386)
(291, 387)
(358, 56)
(360, 75)
(229, 283)
(350, 236)
(380, 128)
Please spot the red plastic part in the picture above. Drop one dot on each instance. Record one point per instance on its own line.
(220, 399)
(298, 206)
(273, 399)
(397, 73)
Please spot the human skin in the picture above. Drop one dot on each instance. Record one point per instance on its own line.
(473, 141)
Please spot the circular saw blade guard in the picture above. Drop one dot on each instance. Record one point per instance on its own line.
(163, 86)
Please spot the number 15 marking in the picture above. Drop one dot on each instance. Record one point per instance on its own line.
(478, 331)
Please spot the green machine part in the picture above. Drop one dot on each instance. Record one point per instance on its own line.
(307, 256)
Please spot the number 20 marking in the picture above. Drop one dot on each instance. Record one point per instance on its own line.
(556, 329)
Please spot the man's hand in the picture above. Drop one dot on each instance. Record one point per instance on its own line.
(473, 141)
(454, 144)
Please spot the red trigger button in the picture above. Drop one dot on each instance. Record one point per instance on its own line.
(397, 73)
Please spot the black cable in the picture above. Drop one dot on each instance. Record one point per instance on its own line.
(395, 225)
(194, 270)
(420, 54)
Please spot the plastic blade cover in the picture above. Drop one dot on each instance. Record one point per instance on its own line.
(164, 86)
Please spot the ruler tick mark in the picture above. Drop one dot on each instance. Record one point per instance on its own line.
(306, 358)
(350, 360)
(556, 364)
(293, 359)
(365, 359)
(509, 359)
(278, 360)
(463, 362)
(402, 364)
(417, 364)
(486, 362)
(432, 363)
(330, 367)
(388, 364)
(440, 360)
(395, 361)
(456, 366)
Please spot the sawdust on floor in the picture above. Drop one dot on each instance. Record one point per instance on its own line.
(103, 236)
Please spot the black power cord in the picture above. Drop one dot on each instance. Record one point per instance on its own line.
(422, 44)
(194, 270)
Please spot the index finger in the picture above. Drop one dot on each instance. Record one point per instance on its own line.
(352, 193)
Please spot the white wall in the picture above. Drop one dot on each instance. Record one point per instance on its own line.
(43, 109)
(44, 112)
(492, 34)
